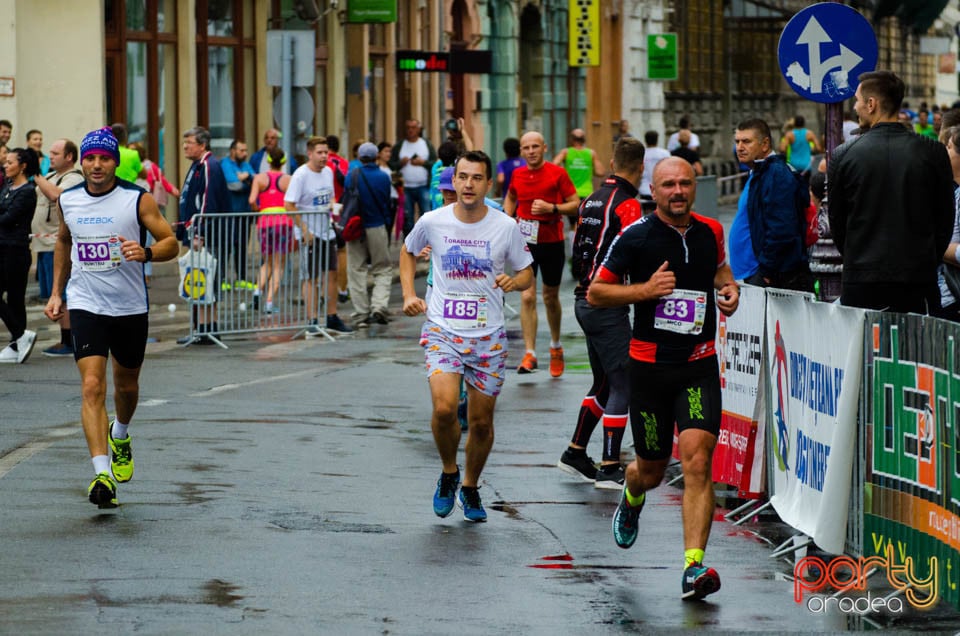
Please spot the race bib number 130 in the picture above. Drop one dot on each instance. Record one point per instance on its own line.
(99, 253)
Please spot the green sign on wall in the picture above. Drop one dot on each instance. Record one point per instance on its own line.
(662, 56)
(369, 11)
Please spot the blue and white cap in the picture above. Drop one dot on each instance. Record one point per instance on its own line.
(100, 142)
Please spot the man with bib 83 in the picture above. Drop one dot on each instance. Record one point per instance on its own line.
(674, 260)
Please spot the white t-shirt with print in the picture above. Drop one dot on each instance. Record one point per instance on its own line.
(310, 190)
(466, 258)
(650, 159)
(414, 176)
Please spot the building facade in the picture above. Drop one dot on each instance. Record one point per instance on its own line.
(162, 66)
(729, 69)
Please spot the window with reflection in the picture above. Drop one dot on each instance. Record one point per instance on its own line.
(141, 64)
(226, 71)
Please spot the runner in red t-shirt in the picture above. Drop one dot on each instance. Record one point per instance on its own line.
(540, 193)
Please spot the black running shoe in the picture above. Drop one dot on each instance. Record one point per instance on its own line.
(578, 465)
(611, 478)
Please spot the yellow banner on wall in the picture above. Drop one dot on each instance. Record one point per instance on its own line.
(583, 47)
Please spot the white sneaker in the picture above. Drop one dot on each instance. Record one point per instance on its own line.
(8, 355)
(25, 345)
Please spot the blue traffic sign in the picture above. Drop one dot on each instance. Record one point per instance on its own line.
(823, 49)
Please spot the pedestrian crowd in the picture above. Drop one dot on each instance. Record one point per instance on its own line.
(635, 241)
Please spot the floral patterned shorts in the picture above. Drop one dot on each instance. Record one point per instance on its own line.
(482, 361)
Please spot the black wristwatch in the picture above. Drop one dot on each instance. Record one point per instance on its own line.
(147, 255)
(556, 210)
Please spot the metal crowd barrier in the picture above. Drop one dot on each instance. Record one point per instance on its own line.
(729, 187)
(225, 276)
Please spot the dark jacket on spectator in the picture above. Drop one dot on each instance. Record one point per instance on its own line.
(777, 228)
(16, 214)
(374, 187)
(891, 206)
(204, 191)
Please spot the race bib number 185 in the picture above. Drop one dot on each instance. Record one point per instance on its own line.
(465, 311)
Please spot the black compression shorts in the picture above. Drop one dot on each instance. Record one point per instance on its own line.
(125, 337)
(548, 258)
(663, 394)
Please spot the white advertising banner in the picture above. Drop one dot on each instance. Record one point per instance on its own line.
(816, 357)
(738, 458)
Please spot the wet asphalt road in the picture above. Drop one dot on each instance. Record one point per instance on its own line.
(284, 487)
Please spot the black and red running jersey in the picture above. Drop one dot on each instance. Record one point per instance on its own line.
(603, 215)
(679, 327)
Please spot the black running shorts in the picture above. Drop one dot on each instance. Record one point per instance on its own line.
(661, 394)
(311, 258)
(548, 258)
(124, 337)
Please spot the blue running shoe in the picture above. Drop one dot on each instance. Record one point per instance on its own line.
(699, 581)
(472, 508)
(445, 498)
(625, 521)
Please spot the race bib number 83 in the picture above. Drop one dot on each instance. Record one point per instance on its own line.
(683, 311)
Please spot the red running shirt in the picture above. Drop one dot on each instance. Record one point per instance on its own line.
(550, 183)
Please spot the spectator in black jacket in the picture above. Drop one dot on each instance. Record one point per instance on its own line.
(18, 201)
(891, 205)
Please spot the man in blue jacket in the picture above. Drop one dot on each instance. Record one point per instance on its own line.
(373, 185)
(205, 192)
(767, 235)
(271, 139)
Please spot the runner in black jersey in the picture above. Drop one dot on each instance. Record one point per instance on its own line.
(607, 329)
(674, 260)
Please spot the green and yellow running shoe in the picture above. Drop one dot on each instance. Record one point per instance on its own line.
(103, 491)
(121, 458)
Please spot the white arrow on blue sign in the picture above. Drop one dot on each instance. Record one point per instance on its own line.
(823, 49)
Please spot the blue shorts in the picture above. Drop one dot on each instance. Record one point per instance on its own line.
(482, 361)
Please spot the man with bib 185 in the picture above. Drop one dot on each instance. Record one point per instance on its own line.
(464, 335)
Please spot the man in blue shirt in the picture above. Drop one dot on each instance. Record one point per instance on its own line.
(370, 307)
(238, 173)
